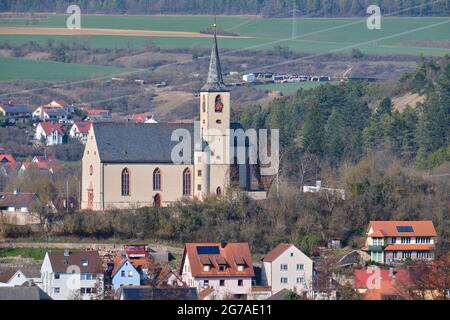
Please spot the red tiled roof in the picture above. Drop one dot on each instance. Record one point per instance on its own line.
(423, 228)
(141, 117)
(410, 247)
(233, 253)
(276, 252)
(49, 127)
(7, 159)
(386, 285)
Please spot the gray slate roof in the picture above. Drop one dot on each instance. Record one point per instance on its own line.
(214, 82)
(138, 143)
(23, 293)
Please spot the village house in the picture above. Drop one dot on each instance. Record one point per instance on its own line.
(148, 118)
(80, 131)
(225, 270)
(69, 275)
(391, 242)
(51, 114)
(49, 133)
(19, 208)
(95, 115)
(45, 163)
(58, 103)
(319, 188)
(12, 278)
(15, 112)
(7, 161)
(381, 284)
(286, 267)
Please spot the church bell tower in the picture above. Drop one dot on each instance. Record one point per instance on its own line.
(215, 123)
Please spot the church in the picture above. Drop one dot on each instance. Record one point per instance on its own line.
(128, 165)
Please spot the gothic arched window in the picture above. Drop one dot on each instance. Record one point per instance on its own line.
(186, 182)
(219, 104)
(219, 191)
(125, 182)
(157, 180)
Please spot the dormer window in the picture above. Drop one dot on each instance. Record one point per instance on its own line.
(206, 268)
(240, 268)
(84, 262)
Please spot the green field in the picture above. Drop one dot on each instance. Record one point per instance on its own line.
(290, 88)
(19, 69)
(313, 35)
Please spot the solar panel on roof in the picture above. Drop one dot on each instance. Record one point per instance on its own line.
(405, 229)
(208, 250)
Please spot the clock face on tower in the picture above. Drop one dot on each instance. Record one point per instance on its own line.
(218, 104)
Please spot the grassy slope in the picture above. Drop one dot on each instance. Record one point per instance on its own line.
(16, 69)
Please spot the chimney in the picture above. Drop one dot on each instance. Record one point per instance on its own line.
(319, 184)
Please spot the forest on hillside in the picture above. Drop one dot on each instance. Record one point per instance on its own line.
(267, 8)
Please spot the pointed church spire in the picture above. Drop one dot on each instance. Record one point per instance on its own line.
(214, 83)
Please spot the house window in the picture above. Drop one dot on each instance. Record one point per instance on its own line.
(394, 240)
(406, 240)
(284, 267)
(423, 255)
(284, 280)
(377, 241)
(157, 180)
(199, 187)
(222, 268)
(240, 283)
(86, 290)
(205, 283)
(300, 280)
(56, 290)
(186, 182)
(57, 276)
(122, 273)
(292, 254)
(222, 283)
(300, 267)
(199, 173)
(125, 182)
(130, 274)
(91, 170)
(206, 268)
(423, 240)
(219, 191)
